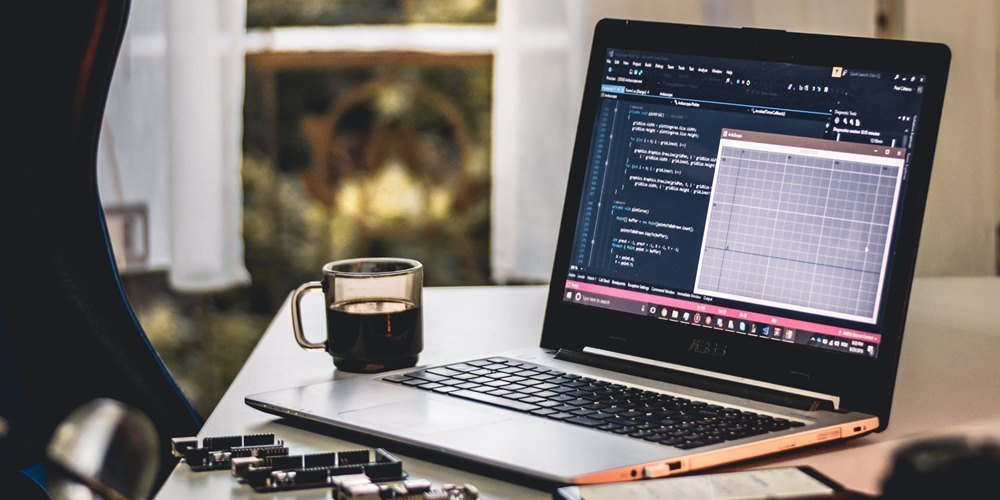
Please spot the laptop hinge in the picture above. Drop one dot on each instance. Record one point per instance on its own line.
(702, 382)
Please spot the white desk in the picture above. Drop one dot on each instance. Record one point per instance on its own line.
(948, 379)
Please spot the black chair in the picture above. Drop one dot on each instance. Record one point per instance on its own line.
(67, 332)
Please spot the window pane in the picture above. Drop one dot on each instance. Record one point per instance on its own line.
(386, 158)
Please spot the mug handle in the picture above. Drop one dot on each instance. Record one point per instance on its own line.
(297, 317)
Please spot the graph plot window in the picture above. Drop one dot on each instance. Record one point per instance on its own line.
(800, 223)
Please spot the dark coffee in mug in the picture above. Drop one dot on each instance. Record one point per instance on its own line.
(373, 317)
(374, 335)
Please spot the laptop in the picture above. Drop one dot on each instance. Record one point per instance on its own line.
(732, 270)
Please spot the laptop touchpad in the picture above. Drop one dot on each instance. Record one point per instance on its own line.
(422, 416)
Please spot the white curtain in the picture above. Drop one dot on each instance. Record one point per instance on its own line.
(538, 75)
(172, 137)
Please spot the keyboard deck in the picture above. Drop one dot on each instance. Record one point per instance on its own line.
(598, 404)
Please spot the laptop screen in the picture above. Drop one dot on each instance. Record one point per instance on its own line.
(755, 198)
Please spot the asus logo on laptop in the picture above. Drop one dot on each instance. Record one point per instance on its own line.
(716, 349)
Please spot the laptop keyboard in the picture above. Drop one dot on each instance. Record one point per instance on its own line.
(588, 402)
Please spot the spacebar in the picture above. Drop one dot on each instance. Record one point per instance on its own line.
(494, 400)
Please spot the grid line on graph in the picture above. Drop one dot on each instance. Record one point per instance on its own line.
(798, 229)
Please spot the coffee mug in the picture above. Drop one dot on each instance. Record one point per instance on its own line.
(373, 317)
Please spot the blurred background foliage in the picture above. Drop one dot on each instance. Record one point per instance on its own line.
(344, 156)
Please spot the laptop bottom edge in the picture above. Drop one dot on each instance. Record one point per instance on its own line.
(670, 464)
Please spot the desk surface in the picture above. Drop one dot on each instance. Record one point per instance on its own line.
(946, 384)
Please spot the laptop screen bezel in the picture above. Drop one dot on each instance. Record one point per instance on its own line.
(863, 384)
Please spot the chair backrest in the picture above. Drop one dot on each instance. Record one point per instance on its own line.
(67, 331)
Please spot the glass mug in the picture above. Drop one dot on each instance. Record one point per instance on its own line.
(373, 317)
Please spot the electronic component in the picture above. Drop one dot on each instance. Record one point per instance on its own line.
(217, 453)
(262, 462)
(360, 487)
(279, 473)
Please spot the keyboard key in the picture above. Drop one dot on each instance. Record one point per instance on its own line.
(499, 392)
(560, 416)
(584, 421)
(641, 434)
(687, 445)
(514, 387)
(444, 372)
(431, 386)
(543, 412)
(602, 416)
(494, 400)
(500, 360)
(445, 389)
(396, 378)
(414, 382)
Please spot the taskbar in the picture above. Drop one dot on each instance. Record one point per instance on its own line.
(725, 319)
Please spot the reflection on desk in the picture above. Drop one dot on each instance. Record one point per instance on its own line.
(946, 383)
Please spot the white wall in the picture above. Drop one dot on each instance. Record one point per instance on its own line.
(963, 206)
